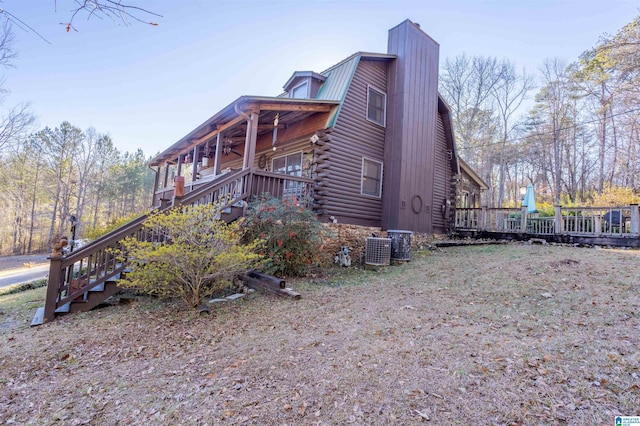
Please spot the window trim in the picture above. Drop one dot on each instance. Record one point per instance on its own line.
(297, 86)
(371, 160)
(286, 164)
(384, 98)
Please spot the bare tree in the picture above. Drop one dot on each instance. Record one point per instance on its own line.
(508, 95)
(467, 85)
(15, 122)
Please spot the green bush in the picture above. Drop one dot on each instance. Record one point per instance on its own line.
(292, 234)
(196, 255)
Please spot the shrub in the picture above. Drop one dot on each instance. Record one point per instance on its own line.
(197, 255)
(615, 196)
(292, 234)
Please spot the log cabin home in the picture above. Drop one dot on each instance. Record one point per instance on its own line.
(367, 142)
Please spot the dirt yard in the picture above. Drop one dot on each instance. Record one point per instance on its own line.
(490, 335)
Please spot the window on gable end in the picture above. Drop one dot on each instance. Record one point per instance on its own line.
(376, 106)
(371, 178)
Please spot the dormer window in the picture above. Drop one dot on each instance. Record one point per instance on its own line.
(300, 91)
(304, 84)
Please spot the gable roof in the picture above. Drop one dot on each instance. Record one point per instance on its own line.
(472, 174)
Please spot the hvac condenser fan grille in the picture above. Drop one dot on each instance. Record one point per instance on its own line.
(378, 251)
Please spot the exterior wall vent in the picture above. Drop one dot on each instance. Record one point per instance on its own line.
(378, 251)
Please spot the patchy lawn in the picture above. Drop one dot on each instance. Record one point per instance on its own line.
(505, 335)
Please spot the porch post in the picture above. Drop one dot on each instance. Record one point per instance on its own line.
(635, 219)
(194, 172)
(166, 176)
(216, 162)
(250, 141)
(558, 220)
(155, 186)
(523, 219)
(179, 172)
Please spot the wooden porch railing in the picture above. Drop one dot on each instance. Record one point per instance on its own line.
(582, 221)
(72, 277)
(283, 186)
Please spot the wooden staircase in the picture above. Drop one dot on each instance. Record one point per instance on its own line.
(87, 277)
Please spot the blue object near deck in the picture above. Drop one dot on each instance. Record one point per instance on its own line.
(529, 200)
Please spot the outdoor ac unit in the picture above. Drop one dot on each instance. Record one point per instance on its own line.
(400, 244)
(378, 251)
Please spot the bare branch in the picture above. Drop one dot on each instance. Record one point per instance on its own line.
(115, 10)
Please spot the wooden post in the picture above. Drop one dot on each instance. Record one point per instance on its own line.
(482, 220)
(216, 162)
(558, 220)
(156, 182)
(250, 141)
(166, 175)
(635, 219)
(597, 219)
(179, 173)
(53, 285)
(523, 219)
(194, 172)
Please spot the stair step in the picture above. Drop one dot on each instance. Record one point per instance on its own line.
(38, 318)
(99, 287)
(64, 308)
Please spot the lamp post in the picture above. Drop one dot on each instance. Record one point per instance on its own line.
(74, 222)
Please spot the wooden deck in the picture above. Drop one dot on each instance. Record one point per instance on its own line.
(614, 226)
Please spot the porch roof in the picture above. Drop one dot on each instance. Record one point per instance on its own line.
(231, 119)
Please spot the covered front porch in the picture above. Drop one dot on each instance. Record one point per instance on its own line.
(252, 146)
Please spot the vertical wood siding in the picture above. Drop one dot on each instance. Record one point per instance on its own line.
(353, 138)
(411, 133)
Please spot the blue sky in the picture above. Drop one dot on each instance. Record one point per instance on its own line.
(148, 86)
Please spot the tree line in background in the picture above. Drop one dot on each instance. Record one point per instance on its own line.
(51, 175)
(580, 138)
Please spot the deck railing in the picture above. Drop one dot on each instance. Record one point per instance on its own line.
(283, 186)
(71, 277)
(583, 221)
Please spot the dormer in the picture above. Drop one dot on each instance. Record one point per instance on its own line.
(304, 84)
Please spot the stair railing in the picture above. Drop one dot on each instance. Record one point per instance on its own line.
(72, 276)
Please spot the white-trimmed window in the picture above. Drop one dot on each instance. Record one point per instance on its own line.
(376, 106)
(288, 164)
(371, 178)
(301, 91)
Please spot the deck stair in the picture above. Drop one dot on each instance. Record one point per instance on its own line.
(85, 278)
